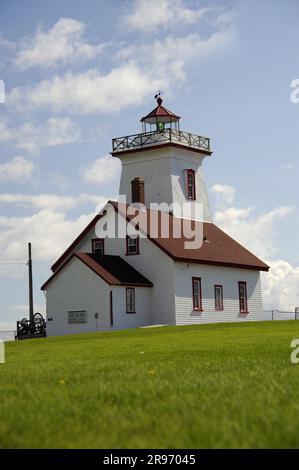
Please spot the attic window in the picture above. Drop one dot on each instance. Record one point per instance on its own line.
(132, 245)
(190, 183)
(98, 246)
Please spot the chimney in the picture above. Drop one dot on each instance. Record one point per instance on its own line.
(137, 190)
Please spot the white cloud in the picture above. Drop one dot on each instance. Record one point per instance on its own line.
(48, 227)
(17, 170)
(4, 43)
(88, 92)
(287, 166)
(8, 326)
(49, 231)
(102, 170)
(63, 43)
(142, 68)
(259, 235)
(50, 201)
(23, 308)
(5, 133)
(281, 286)
(170, 60)
(55, 132)
(32, 137)
(256, 233)
(225, 194)
(151, 15)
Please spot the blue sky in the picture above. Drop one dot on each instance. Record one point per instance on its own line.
(79, 73)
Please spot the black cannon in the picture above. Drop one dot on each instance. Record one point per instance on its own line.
(35, 328)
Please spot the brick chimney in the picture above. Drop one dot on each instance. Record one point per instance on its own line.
(137, 190)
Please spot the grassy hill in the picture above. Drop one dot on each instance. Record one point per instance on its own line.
(194, 386)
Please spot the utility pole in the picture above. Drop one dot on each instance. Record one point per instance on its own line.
(30, 283)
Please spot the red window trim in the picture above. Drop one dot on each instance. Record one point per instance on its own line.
(133, 289)
(127, 247)
(111, 308)
(246, 301)
(93, 240)
(221, 287)
(197, 309)
(189, 171)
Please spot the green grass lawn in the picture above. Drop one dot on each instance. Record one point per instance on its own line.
(208, 386)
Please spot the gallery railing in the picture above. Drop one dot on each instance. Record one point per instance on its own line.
(135, 141)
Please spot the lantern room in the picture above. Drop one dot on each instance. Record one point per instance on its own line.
(160, 119)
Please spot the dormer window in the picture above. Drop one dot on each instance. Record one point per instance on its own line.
(98, 246)
(190, 183)
(132, 245)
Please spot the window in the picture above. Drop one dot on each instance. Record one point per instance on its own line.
(132, 246)
(98, 246)
(79, 316)
(196, 292)
(130, 300)
(218, 297)
(191, 184)
(243, 297)
(160, 126)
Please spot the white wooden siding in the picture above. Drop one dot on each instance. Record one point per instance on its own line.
(77, 287)
(164, 176)
(179, 163)
(142, 317)
(156, 266)
(211, 275)
(169, 301)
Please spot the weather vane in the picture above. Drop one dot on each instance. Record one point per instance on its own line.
(158, 97)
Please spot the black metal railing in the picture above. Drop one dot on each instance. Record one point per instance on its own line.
(135, 141)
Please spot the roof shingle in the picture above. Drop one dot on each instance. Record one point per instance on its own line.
(113, 269)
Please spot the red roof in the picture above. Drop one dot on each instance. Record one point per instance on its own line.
(113, 269)
(218, 249)
(160, 111)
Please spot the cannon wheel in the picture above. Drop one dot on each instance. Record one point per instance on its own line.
(39, 322)
(38, 318)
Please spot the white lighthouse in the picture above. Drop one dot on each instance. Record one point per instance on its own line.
(168, 161)
(125, 282)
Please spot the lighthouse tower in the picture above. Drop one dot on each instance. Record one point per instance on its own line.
(163, 164)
